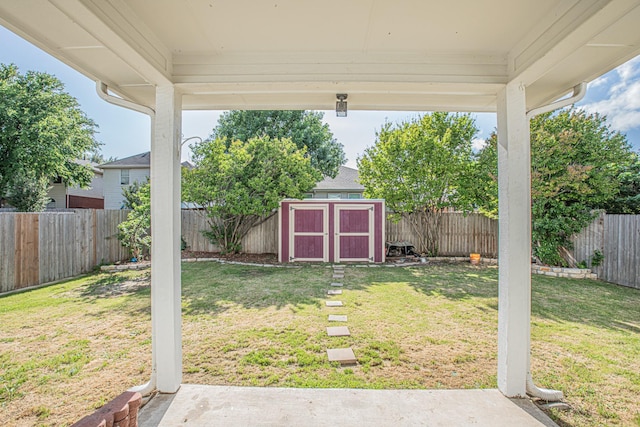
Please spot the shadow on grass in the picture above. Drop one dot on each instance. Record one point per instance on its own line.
(211, 288)
(562, 300)
(588, 302)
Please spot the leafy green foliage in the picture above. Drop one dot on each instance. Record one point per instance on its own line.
(575, 168)
(597, 258)
(42, 131)
(29, 194)
(132, 195)
(240, 184)
(135, 231)
(421, 168)
(304, 128)
(628, 199)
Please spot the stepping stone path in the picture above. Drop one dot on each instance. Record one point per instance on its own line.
(344, 356)
(338, 331)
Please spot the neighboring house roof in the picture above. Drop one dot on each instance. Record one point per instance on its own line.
(141, 161)
(94, 166)
(138, 161)
(346, 179)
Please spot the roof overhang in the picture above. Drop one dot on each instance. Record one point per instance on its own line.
(386, 55)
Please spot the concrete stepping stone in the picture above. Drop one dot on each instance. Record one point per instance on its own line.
(337, 318)
(336, 284)
(344, 356)
(338, 276)
(338, 266)
(334, 303)
(334, 292)
(338, 331)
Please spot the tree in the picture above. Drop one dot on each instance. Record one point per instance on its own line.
(421, 168)
(575, 168)
(29, 194)
(42, 132)
(95, 156)
(132, 195)
(304, 128)
(135, 231)
(240, 184)
(628, 199)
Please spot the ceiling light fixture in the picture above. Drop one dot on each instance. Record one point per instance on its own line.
(341, 105)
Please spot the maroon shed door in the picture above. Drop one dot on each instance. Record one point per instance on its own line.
(309, 233)
(354, 232)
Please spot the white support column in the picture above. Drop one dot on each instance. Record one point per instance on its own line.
(514, 296)
(166, 314)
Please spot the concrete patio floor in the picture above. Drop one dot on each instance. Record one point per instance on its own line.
(202, 405)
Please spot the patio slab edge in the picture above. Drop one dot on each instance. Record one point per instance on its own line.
(198, 405)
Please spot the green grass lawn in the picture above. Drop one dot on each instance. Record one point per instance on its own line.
(68, 348)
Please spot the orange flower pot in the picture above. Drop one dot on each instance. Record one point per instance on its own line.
(474, 258)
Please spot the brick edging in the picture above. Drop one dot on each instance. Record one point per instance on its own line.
(119, 412)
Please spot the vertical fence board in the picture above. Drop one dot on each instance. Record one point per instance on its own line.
(26, 261)
(7, 252)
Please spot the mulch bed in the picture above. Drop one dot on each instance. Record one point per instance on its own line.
(241, 257)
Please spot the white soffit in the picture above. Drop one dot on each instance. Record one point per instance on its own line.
(387, 55)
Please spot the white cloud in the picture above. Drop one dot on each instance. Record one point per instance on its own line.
(602, 80)
(622, 107)
(478, 144)
(629, 69)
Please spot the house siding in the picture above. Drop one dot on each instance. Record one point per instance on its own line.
(58, 193)
(95, 190)
(113, 190)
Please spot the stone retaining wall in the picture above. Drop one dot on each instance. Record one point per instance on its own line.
(572, 273)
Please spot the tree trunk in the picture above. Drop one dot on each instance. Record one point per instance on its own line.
(426, 227)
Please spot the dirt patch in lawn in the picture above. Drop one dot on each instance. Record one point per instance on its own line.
(114, 286)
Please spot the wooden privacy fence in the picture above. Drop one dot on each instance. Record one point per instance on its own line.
(43, 247)
(262, 239)
(460, 234)
(618, 238)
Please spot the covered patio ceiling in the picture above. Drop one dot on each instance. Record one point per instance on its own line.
(292, 54)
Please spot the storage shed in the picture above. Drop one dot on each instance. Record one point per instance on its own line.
(331, 230)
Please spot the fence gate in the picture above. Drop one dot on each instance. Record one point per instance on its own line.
(328, 230)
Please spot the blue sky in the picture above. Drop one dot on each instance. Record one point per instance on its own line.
(125, 133)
